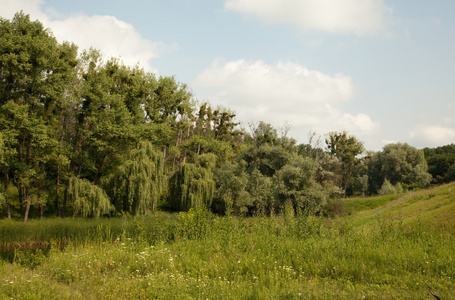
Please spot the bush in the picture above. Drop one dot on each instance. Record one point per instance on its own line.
(389, 189)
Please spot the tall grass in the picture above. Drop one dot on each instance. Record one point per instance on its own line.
(200, 256)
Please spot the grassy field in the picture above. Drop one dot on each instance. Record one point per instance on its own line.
(394, 247)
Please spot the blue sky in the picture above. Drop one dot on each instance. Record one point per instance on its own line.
(383, 70)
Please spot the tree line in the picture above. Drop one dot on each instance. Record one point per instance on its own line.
(84, 136)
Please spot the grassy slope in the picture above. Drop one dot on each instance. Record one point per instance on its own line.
(431, 209)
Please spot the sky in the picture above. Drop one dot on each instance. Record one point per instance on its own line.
(382, 70)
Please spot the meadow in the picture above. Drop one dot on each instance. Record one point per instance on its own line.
(390, 247)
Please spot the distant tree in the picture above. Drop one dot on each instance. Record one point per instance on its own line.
(440, 160)
(347, 149)
(451, 173)
(295, 184)
(388, 189)
(361, 184)
(399, 163)
(231, 195)
(261, 191)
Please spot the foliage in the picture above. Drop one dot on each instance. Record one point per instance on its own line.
(441, 162)
(347, 149)
(136, 184)
(399, 163)
(295, 184)
(88, 199)
(231, 190)
(388, 189)
(91, 135)
(192, 185)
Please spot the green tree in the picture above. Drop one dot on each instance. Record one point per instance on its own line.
(104, 127)
(231, 189)
(347, 149)
(35, 71)
(295, 183)
(135, 186)
(88, 199)
(388, 189)
(440, 160)
(261, 191)
(399, 163)
(193, 185)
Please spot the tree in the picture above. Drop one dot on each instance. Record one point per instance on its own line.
(261, 191)
(231, 189)
(399, 163)
(440, 160)
(104, 123)
(192, 185)
(88, 199)
(388, 189)
(295, 184)
(347, 149)
(136, 184)
(34, 73)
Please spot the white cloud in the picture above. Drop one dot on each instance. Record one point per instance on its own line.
(432, 136)
(113, 37)
(341, 16)
(285, 92)
(386, 142)
(33, 7)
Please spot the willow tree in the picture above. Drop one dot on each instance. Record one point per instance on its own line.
(136, 184)
(88, 199)
(192, 185)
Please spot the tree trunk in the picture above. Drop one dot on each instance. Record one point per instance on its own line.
(8, 207)
(164, 160)
(57, 196)
(99, 173)
(65, 199)
(21, 198)
(74, 208)
(19, 185)
(27, 205)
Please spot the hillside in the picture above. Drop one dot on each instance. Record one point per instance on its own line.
(431, 209)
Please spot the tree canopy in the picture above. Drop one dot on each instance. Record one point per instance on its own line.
(81, 135)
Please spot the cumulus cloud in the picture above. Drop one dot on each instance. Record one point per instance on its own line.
(113, 37)
(284, 92)
(432, 135)
(33, 7)
(360, 17)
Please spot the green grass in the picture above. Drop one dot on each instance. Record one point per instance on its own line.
(426, 210)
(362, 204)
(377, 252)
